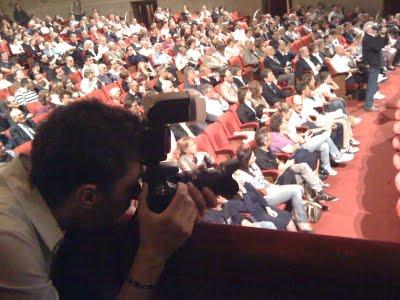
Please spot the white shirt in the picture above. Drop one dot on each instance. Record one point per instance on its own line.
(135, 28)
(29, 236)
(294, 121)
(16, 49)
(312, 66)
(88, 86)
(194, 55)
(181, 61)
(215, 107)
(340, 63)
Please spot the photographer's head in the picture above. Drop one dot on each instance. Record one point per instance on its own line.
(86, 163)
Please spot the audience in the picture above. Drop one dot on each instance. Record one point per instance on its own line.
(250, 69)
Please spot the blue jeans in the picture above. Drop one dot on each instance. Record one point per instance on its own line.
(372, 88)
(277, 194)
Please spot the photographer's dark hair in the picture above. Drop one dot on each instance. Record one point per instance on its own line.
(85, 142)
(243, 155)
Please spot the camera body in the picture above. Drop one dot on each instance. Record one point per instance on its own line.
(162, 110)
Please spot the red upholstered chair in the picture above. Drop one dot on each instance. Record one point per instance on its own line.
(245, 126)
(307, 40)
(39, 118)
(203, 144)
(4, 93)
(219, 140)
(99, 95)
(33, 107)
(107, 88)
(24, 148)
(235, 61)
(75, 77)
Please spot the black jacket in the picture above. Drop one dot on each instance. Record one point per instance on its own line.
(18, 135)
(372, 50)
(239, 83)
(272, 94)
(284, 58)
(302, 67)
(246, 114)
(276, 67)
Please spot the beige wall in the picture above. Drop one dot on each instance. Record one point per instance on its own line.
(371, 6)
(120, 7)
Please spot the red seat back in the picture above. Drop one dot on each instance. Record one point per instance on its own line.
(34, 107)
(4, 93)
(228, 123)
(99, 95)
(24, 148)
(217, 136)
(75, 77)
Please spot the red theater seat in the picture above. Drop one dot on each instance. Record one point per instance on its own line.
(203, 144)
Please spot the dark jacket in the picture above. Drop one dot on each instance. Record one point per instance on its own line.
(284, 58)
(18, 135)
(246, 114)
(272, 94)
(276, 67)
(239, 83)
(372, 50)
(302, 67)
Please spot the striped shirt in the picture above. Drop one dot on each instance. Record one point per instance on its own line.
(24, 96)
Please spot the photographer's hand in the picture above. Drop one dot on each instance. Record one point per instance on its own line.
(162, 234)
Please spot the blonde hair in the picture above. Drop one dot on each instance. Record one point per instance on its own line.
(183, 144)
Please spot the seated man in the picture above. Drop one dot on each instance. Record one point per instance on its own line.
(266, 160)
(271, 93)
(305, 65)
(215, 105)
(341, 64)
(229, 90)
(249, 58)
(280, 70)
(23, 130)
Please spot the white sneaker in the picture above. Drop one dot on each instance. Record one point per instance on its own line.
(354, 142)
(331, 172)
(356, 120)
(345, 157)
(350, 149)
(379, 96)
(381, 78)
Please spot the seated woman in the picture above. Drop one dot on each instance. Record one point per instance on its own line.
(251, 211)
(250, 173)
(257, 98)
(313, 140)
(302, 172)
(246, 110)
(189, 158)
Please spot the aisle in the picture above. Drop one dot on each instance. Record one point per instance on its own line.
(365, 187)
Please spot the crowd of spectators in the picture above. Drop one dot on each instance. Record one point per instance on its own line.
(254, 66)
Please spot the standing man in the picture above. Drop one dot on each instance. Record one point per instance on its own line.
(77, 9)
(372, 45)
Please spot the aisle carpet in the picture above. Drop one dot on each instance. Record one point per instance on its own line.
(365, 186)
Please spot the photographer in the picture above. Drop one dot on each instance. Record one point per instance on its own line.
(373, 42)
(84, 170)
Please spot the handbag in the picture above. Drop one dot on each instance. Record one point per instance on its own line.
(313, 210)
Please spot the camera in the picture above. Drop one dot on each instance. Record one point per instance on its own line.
(162, 110)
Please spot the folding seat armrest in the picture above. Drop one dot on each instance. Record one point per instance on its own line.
(225, 151)
(271, 175)
(283, 156)
(238, 137)
(301, 129)
(250, 125)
